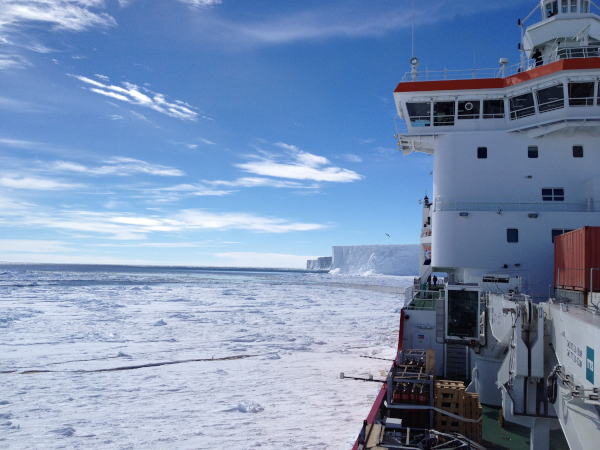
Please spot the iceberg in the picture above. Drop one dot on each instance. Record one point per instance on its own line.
(376, 260)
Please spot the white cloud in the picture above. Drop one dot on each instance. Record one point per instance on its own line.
(102, 77)
(259, 182)
(119, 166)
(192, 189)
(345, 18)
(13, 61)
(131, 94)
(352, 158)
(206, 141)
(17, 105)
(201, 3)
(115, 117)
(128, 226)
(166, 244)
(70, 15)
(253, 259)
(35, 184)
(32, 245)
(301, 166)
(196, 218)
(139, 116)
(39, 48)
(70, 258)
(19, 143)
(111, 224)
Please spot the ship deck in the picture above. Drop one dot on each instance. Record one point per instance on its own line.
(511, 436)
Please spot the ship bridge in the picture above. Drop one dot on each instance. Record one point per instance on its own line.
(553, 88)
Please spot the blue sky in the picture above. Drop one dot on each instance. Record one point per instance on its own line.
(219, 132)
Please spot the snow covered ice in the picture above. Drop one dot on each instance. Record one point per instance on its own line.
(191, 361)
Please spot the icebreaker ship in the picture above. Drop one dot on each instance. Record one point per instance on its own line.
(516, 153)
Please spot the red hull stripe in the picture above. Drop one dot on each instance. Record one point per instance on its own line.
(374, 409)
(401, 331)
(380, 397)
(499, 83)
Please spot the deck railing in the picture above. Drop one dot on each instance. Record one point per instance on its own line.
(425, 300)
(502, 72)
(527, 204)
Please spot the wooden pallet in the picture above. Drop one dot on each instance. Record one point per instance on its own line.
(473, 410)
(450, 396)
(410, 371)
(428, 354)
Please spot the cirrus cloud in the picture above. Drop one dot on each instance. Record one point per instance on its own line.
(119, 166)
(69, 15)
(39, 184)
(133, 94)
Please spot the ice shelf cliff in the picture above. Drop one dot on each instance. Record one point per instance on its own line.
(376, 259)
(323, 263)
(370, 260)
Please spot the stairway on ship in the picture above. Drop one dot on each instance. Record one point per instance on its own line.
(456, 362)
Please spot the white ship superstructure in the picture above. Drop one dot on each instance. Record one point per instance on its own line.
(516, 166)
(516, 155)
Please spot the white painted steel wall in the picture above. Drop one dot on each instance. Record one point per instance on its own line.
(479, 242)
(458, 172)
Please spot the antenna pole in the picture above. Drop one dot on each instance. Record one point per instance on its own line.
(413, 30)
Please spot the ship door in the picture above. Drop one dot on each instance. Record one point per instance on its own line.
(421, 340)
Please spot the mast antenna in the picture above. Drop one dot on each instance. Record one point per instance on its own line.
(412, 55)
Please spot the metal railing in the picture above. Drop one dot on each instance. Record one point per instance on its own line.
(551, 105)
(582, 101)
(526, 204)
(572, 53)
(425, 300)
(557, 54)
(523, 112)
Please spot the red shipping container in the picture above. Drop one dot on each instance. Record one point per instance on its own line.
(575, 253)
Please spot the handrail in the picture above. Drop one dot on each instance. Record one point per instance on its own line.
(557, 54)
(527, 204)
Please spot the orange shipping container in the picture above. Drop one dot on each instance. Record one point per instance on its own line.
(575, 253)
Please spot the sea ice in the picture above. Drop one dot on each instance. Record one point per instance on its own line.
(269, 346)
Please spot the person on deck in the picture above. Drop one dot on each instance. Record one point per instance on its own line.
(537, 56)
(435, 280)
(429, 281)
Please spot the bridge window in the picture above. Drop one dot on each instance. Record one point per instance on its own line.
(532, 151)
(493, 109)
(581, 94)
(481, 152)
(521, 106)
(564, 6)
(578, 151)
(443, 113)
(553, 194)
(469, 109)
(552, 8)
(512, 235)
(419, 113)
(551, 98)
(585, 6)
(573, 6)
